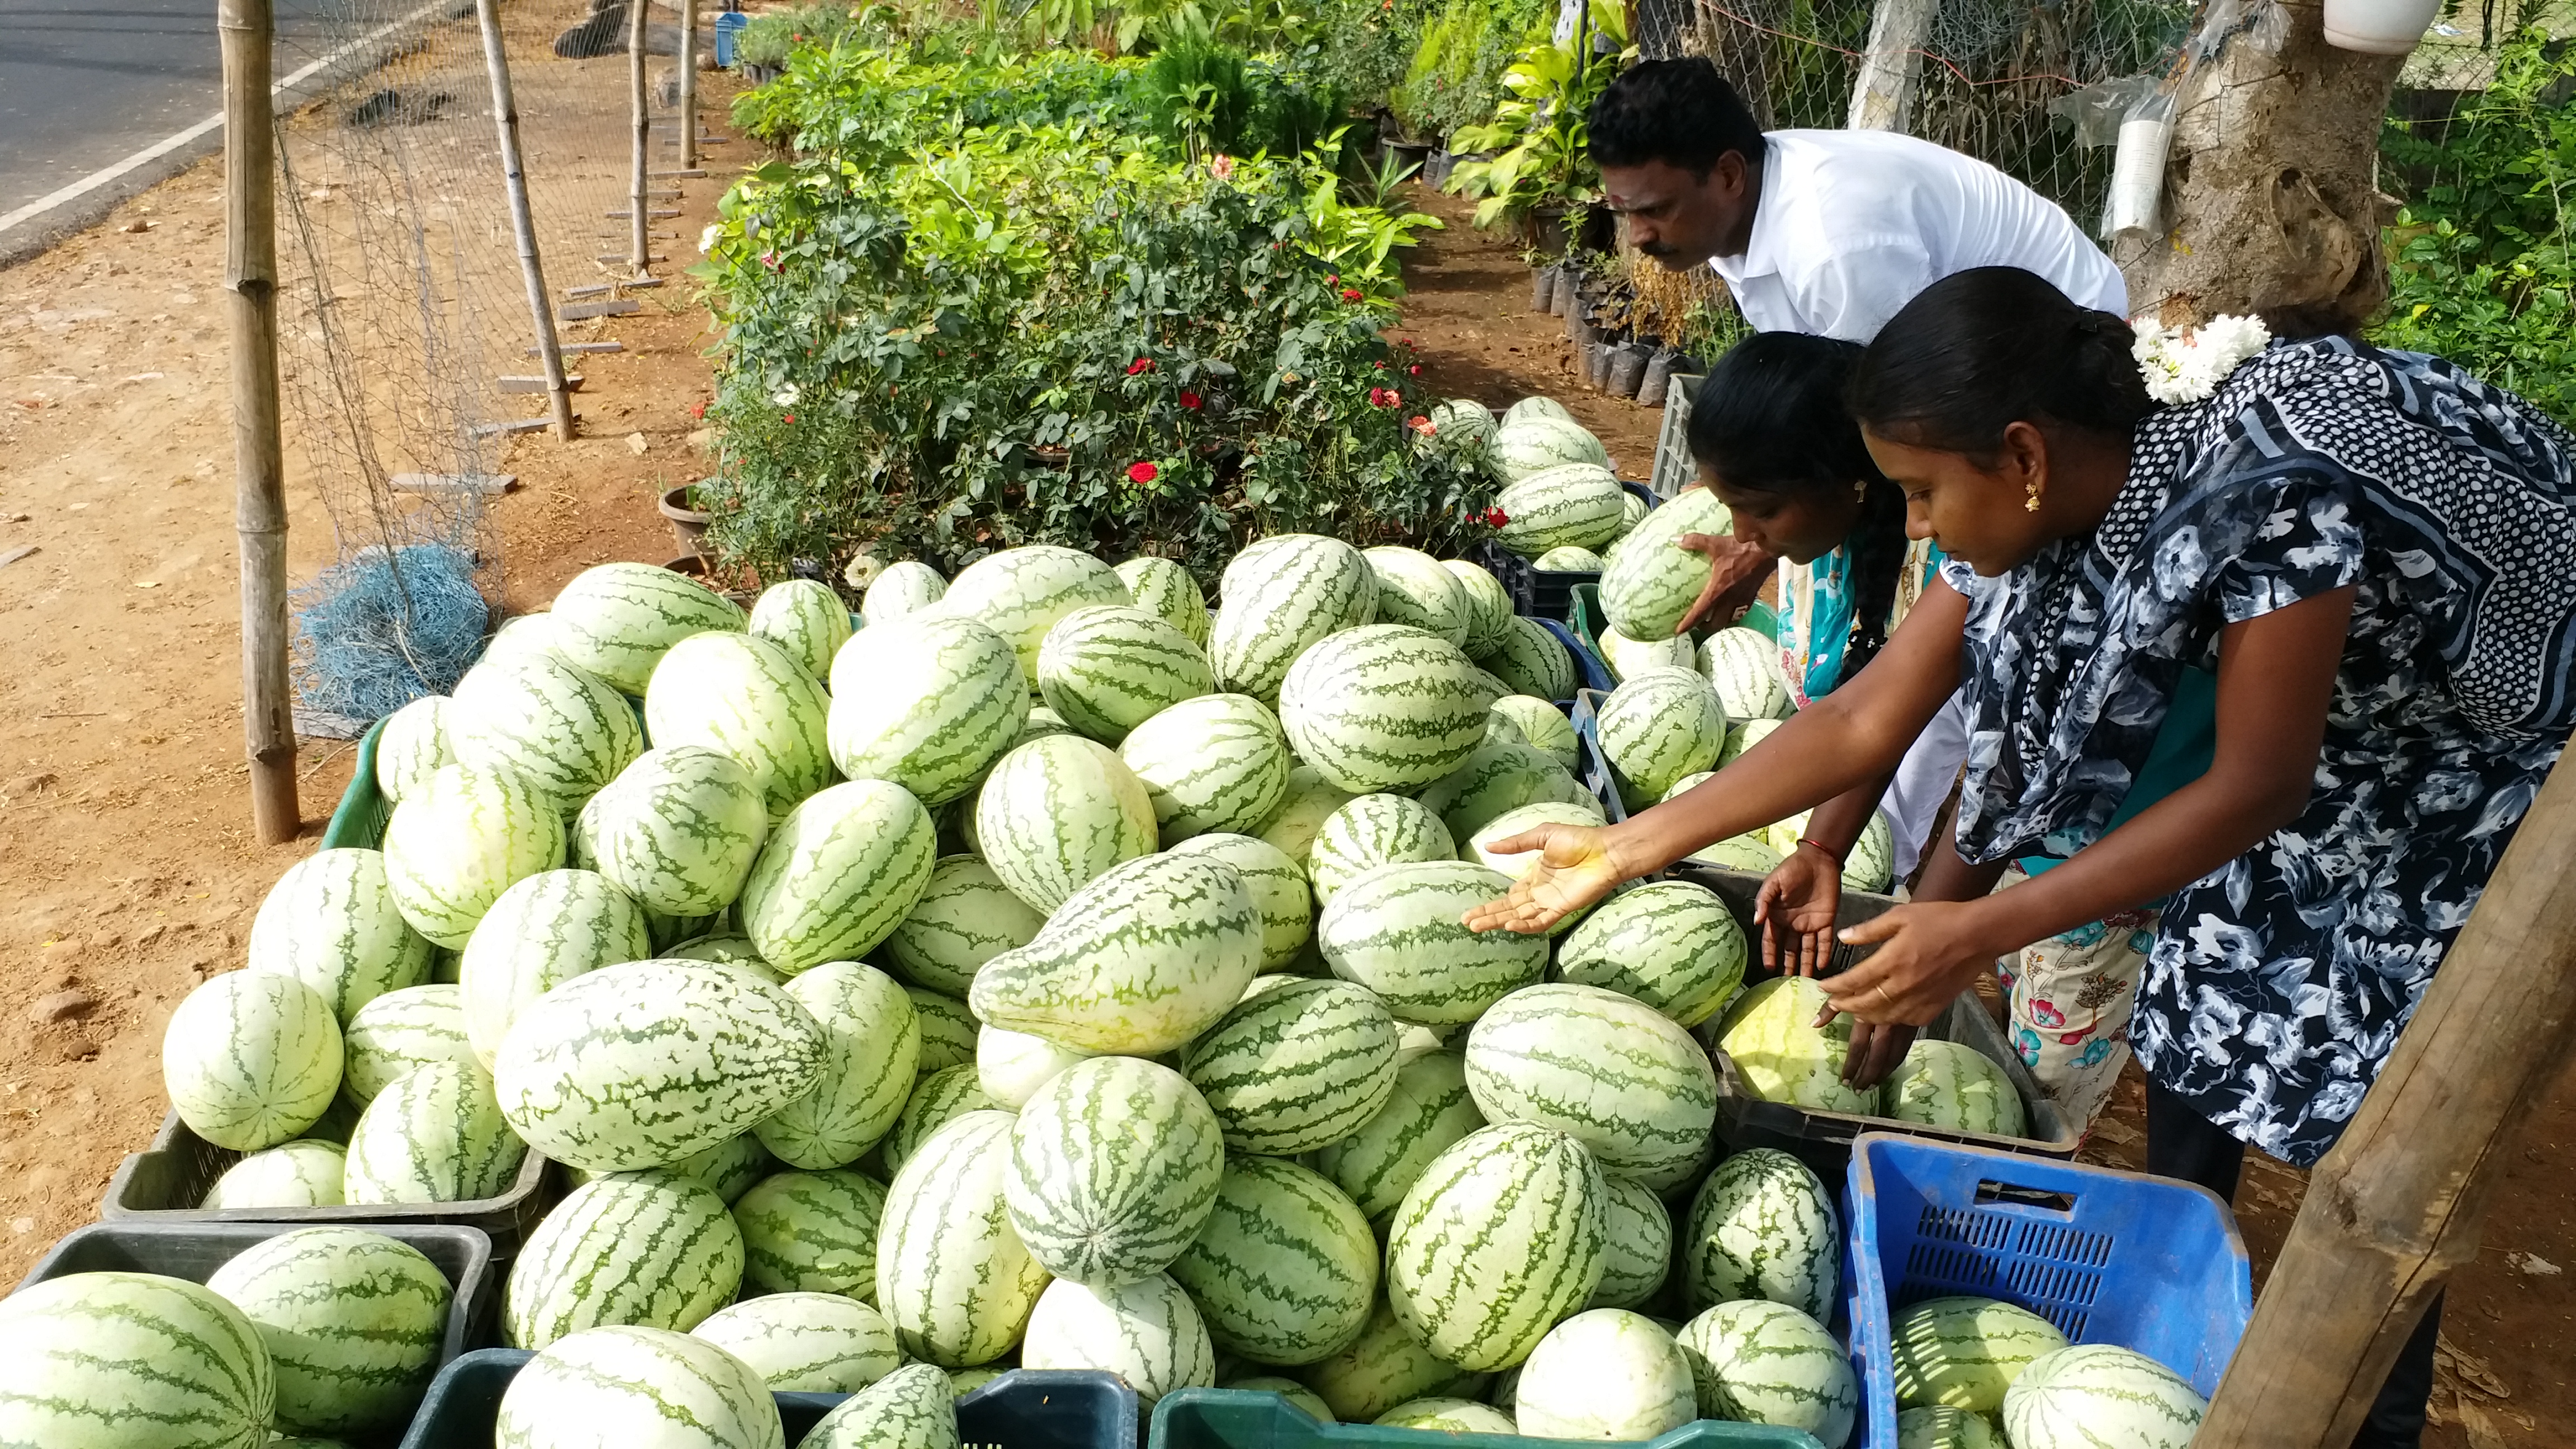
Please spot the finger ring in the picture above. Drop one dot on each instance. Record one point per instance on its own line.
(1883, 996)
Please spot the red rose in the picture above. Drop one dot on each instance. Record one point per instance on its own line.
(697, 410)
(1333, 279)
(1496, 518)
(1142, 364)
(1143, 473)
(791, 417)
(1350, 294)
(1190, 400)
(1415, 369)
(1422, 425)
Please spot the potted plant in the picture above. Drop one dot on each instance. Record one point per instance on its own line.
(688, 521)
(1541, 168)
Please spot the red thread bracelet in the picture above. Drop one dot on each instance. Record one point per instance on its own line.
(1833, 856)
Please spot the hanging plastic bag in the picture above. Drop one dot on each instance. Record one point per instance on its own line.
(2138, 167)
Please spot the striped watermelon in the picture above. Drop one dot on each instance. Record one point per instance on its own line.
(1656, 728)
(1637, 1253)
(1965, 1352)
(1670, 944)
(1282, 596)
(727, 1169)
(1463, 416)
(1298, 1067)
(805, 619)
(1633, 514)
(1108, 668)
(1383, 707)
(1744, 736)
(928, 703)
(1500, 731)
(1489, 606)
(563, 731)
(1604, 1374)
(1396, 930)
(1872, 863)
(947, 1029)
(1762, 1226)
(1056, 813)
(678, 831)
(251, 1059)
(1628, 657)
(1113, 1167)
(952, 1275)
(1938, 1426)
(1944, 1084)
(806, 1343)
(1278, 889)
(1771, 1036)
(1499, 1239)
(936, 1099)
(1290, 1391)
(1413, 589)
(521, 635)
(1163, 588)
(1303, 807)
(1373, 830)
(1020, 593)
(399, 1031)
(1383, 1367)
(1530, 660)
(636, 1386)
(464, 837)
(964, 918)
(1147, 1333)
(1572, 560)
(1137, 962)
(1608, 1071)
(434, 1135)
(1497, 779)
(331, 923)
(643, 1064)
(541, 933)
(2101, 1393)
(1537, 407)
(131, 1361)
(1542, 725)
(353, 1321)
(411, 745)
(301, 1173)
(1768, 1363)
(838, 875)
(748, 698)
(647, 1248)
(1217, 762)
(1747, 853)
(1648, 580)
(912, 1408)
(903, 588)
(725, 948)
(1285, 1269)
(811, 1232)
(444, 964)
(1515, 864)
(1448, 1416)
(871, 1047)
(1012, 1066)
(615, 619)
(1743, 665)
(1567, 505)
(1532, 444)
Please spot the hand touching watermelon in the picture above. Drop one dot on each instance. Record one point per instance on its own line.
(1576, 867)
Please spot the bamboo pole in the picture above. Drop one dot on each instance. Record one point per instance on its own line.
(642, 214)
(259, 449)
(2399, 1203)
(505, 118)
(688, 84)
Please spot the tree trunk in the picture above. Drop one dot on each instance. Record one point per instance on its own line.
(2273, 189)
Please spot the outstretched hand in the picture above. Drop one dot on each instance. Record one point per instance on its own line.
(1927, 954)
(1736, 570)
(1573, 870)
(1795, 910)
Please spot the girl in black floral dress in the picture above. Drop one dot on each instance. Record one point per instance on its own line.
(2375, 553)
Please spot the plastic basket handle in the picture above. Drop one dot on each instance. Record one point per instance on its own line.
(1992, 1192)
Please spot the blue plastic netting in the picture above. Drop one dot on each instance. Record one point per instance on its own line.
(381, 630)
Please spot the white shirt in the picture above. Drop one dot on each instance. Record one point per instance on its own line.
(1852, 225)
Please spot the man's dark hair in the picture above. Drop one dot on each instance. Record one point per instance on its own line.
(1680, 112)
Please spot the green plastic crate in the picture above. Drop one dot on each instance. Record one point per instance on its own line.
(1240, 1419)
(1583, 611)
(359, 822)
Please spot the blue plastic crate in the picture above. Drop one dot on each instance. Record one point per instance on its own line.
(2109, 1257)
(728, 28)
(1589, 671)
(1592, 767)
(1237, 1419)
(1023, 1409)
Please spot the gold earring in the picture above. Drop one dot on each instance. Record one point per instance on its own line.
(2031, 503)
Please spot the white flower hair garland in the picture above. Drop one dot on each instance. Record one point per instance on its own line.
(2185, 366)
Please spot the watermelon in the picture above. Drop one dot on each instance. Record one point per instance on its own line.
(1938, 1426)
(251, 1059)
(614, 620)
(1463, 416)
(1499, 1239)
(1282, 596)
(1944, 1084)
(903, 588)
(1497, 779)
(1383, 707)
(1164, 588)
(1670, 944)
(1413, 589)
(636, 1386)
(1383, 1367)
(1501, 731)
(811, 1232)
(1584, 814)
(433, 1135)
(542, 932)
(1537, 407)
(678, 831)
(1489, 606)
(728, 1169)
(1020, 593)
(1637, 1252)
(1871, 865)
(2101, 1393)
(1296, 1068)
(838, 875)
(1373, 830)
(1743, 665)
(1657, 727)
(937, 1098)
(563, 731)
(964, 918)
(1746, 853)
(927, 703)
(806, 1343)
(947, 1029)
(1396, 930)
(131, 1361)
(1218, 762)
(1530, 660)
(1307, 802)
(410, 746)
(1058, 812)
(521, 635)
(871, 1046)
(1628, 657)
(805, 619)
(1529, 445)
(301, 1173)
(1744, 735)
(1633, 513)
(643, 1064)
(1965, 1352)
(1285, 1269)
(331, 923)
(1429, 1109)
(1291, 1392)
(1137, 962)
(726, 948)
(952, 1275)
(647, 1248)
(1575, 504)
(353, 1321)
(1011, 1066)
(1146, 1332)
(1605, 1373)
(1108, 668)
(1113, 1167)
(464, 837)
(398, 1031)
(1762, 1226)
(1446, 1415)
(1771, 1036)
(1278, 889)
(1648, 580)
(748, 698)
(912, 1408)
(1768, 1363)
(1572, 560)
(1608, 1071)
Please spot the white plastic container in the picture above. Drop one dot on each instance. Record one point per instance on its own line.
(2378, 27)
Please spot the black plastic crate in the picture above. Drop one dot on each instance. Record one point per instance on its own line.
(1543, 593)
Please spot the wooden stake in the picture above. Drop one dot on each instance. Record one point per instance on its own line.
(505, 117)
(641, 248)
(1883, 92)
(688, 84)
(259, 448)
(2397, 1206)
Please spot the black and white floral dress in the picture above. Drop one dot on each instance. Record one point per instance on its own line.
(2278, 983)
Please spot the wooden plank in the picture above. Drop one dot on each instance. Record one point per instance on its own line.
(483, 483)
(656, 213)
(518, 425)
(638, 284)
(571, 383)
(583, 311)
(587, 347)
(685, 171)
(623, 260)
(575, 294)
